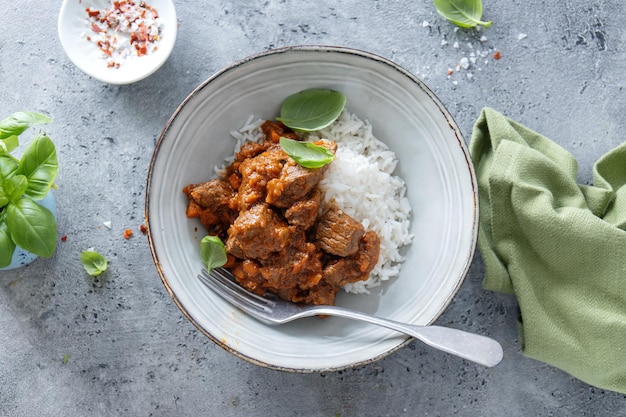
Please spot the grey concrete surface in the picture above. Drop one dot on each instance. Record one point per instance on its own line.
(130, 352)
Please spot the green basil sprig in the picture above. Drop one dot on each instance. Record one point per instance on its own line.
(40, 166)
(18, 122)
(312, 109)
(23, 221)
(212, 252)
(307, 154)
(7, 246)
(463, 13)
(93, 262)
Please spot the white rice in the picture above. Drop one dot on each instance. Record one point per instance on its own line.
(360, 182)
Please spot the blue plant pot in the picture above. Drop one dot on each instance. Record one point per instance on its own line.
(22, 257)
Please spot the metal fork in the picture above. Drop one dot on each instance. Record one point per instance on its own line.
(480, 349)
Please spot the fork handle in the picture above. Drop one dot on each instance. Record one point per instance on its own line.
(474, 347)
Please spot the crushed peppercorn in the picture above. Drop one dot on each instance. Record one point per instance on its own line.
(126, 29)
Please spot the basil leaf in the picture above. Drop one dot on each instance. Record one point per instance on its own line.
(8, 166)
(93, 262)
(307, 154)
(7, 247)
(40, 166)
(4, 199)
(15, 187)
(17, 123)
(463, 13)
(312, 109)
(9, 144)
(212, 252)
(32, 226)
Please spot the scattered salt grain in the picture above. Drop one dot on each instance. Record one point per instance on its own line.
(474, 49)
(107, 224)
(521, 36)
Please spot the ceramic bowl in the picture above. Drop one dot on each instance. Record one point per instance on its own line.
(433, 160)
(74, 28)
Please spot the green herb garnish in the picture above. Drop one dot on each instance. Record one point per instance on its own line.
(39, 165)
(93, 262)
(17, 123)
(463, 13)
(307, 154)
(212, 252)
(312, 109)
(31, 228)
(23, 221)
(7, 246)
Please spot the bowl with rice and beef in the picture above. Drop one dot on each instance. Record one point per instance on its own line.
(398, 200)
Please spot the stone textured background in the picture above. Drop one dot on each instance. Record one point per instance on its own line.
(130, 351)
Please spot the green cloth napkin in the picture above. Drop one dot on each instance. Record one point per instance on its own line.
(559, 246)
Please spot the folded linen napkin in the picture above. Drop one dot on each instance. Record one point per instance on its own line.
(559, 246)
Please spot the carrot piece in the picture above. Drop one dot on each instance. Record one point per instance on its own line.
(194, 209)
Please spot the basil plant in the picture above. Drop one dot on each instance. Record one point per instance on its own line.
(24, 181)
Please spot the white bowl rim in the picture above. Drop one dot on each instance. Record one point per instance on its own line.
(329, 49)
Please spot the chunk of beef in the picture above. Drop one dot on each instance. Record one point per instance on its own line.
(304, 212)
(247, 150)
(249, 275)
(213, 194)
(256, 172)
(357, 267)
(298, 265)
(337, 233)
(257, 232)
(295, 182)
(250, 150)
(321, 294)
(274, 130)
(214, 202)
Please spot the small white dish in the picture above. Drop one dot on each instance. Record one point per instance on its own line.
(433, 160)
(74, 27)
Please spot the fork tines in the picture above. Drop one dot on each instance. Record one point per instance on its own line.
(221, 282)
